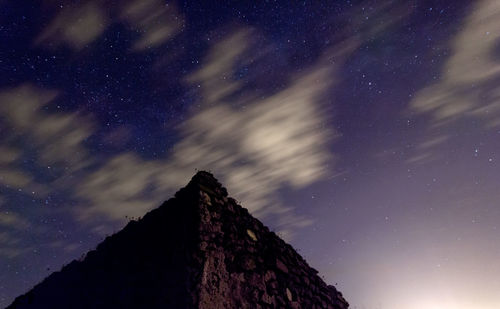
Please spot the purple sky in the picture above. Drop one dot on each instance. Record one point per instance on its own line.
(366, 133)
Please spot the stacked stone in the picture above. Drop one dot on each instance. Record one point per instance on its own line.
(244, 265)
(198, 250)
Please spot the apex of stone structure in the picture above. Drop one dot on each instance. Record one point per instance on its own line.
(207, 183)
(200, 249)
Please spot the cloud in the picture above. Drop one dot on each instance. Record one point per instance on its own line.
(468, 88)
(74, 26)
(77, 25)
(56, 138)
(155, 20)
(255, 143)
(120, 188)
(13, 221)
(9, 224)
(8, 176)
(267, 142)
(53, 145)
(273, 142)
(59, 137)
(8, 154)
(14, 178)
(216, 76)
(20, 105)
(10, 246)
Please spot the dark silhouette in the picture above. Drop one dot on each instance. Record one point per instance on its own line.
(197, 250)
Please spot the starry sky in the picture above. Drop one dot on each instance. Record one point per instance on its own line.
(365, 133)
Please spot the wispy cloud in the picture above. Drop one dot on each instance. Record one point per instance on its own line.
(10, 223)
(13, 221)
(126, 185)
(56, 138)
(9, 176)
(155, 20)
(273, 142)
(468, 88)
(215, 78)
(269, 142)
(74, 26)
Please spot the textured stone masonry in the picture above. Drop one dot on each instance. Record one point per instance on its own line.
(198, 250)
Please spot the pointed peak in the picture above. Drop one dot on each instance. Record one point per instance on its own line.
(207, 182)
(203, 176)
(200, 249)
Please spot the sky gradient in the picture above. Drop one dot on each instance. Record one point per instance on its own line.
(366, 133)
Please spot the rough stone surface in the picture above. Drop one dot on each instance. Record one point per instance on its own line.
(195, 251)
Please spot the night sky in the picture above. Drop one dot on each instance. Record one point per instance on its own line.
(365, 133)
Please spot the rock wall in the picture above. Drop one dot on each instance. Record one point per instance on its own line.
(198, 250)
(145, 265)
(244, 265)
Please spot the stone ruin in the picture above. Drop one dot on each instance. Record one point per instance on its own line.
(199, 249)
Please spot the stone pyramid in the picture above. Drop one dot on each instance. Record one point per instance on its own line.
(199, 249)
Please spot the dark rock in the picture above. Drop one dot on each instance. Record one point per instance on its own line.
(249, 264)
(281, 266)
(305, 280)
